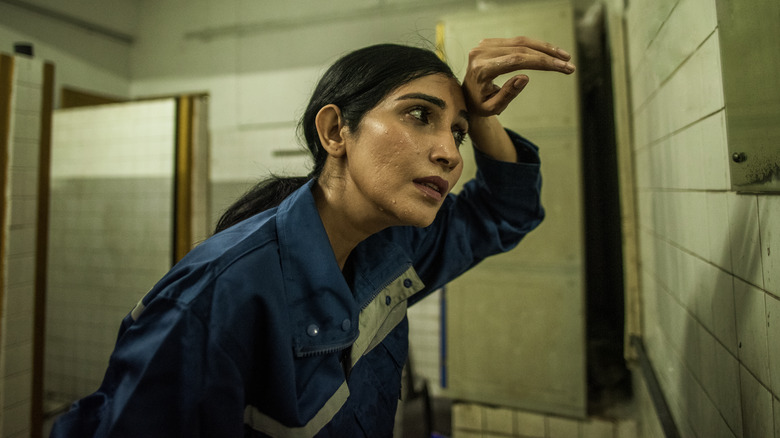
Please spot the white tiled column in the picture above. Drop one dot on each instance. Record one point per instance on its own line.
(19, 241)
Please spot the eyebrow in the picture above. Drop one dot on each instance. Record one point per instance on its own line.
(434, 100)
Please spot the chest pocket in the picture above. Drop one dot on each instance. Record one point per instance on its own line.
(384, 313)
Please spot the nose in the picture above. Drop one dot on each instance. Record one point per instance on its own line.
(445, 152)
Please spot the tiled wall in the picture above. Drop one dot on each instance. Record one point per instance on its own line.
(709, 280)
(16, 357)
(110, 232)
(477, 421)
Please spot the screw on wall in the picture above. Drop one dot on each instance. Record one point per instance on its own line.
(738, 157)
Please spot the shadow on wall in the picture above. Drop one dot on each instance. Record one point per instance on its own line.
(712, 319)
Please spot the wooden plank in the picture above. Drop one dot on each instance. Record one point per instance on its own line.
(41, 250)
(6, 86)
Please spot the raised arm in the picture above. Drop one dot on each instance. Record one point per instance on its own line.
(485, 100)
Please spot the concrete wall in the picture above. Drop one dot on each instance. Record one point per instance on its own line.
(708, 279)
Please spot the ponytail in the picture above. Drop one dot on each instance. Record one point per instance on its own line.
(266, 194)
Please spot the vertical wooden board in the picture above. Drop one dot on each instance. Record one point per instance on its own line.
(515, 323)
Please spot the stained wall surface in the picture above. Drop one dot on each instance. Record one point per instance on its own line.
(708, 268)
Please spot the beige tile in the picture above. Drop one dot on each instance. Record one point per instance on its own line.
(769, 224)
(26, 154)
(18, 328)
(17, 388)
(467, 416)
(499, 420)
(597, 428)
(558, 427)
(24, 183)
(751, 329)
(27, 126)
(16, 420)
(28, 98)
(773, 341)
(627, 429)
(757, 414)
(530, 424)
(745, 239)
(458, 433)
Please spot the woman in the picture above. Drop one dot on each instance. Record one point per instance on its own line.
(291, 319)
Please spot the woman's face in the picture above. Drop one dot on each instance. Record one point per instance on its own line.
(404, 157)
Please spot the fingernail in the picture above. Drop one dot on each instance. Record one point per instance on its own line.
(560, 64)
(564, 53)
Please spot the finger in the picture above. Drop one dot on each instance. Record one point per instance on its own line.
(503, 97)
(532, 60)
(521, 41)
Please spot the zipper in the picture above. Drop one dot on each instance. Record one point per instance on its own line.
(329, 349)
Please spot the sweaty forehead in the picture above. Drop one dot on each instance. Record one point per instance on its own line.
(439, 86)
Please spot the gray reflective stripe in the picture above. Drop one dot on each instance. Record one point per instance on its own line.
(267, 425)
(136, 312)
(378, 319)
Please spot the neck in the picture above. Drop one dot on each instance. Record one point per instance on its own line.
(342, 222)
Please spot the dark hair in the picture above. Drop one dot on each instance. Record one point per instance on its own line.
(356, 83)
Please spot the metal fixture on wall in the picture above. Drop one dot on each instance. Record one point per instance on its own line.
(751, 90)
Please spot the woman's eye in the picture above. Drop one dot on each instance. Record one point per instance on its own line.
(459, 136)
(420, 114)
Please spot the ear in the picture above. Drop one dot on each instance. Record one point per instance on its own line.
(330, 129)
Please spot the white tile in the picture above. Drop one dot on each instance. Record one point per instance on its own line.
(28, 70)
(726, 390)
(17, 388)
(715, 154)
(724, 324)
(757, 414)
(769, 224)
(28, 98)
(18, 328)
(21, 241)
(25, 154)
(707, 371)
(24, 183)
(627, 429)
(529, 424)
(596, 428)
(751, 329)
(467, 416)
(21, 271)
(26, 126)
(499, 420)
(18, 358)
(558, 427)
(776, 406)
(696, 236)
(744, 236)
(773, 341)
(718, 230)
(16, 420)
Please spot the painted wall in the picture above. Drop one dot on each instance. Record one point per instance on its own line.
(708, 277)
(83, 59)
(259, 62)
